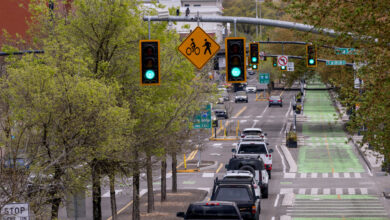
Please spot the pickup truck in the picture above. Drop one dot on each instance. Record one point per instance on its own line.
(242, 193)
(217, 210)
(255, 149)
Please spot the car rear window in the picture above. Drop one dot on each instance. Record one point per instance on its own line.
(241, 93)
(252, 148)
(275, 97)
(211, 212)
(252, 132)
(233, 194)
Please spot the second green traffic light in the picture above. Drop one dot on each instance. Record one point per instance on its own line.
(254, 55)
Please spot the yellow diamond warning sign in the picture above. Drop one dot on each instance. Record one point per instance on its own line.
(198, 47)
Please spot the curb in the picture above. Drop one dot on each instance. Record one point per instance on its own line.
(361, 153)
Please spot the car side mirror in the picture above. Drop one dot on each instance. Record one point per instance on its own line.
(180, 214)
(265, 134)
(271, 150)
(267, 144)
(234, 150)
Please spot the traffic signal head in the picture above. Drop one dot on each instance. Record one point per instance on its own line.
(150, 62)
(254, 52)
(255, 66)
(235, 59)
(274, 61)
(283, 68)
(311, 56)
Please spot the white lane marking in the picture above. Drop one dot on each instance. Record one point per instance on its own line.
(247, 116)
(288, 110)
(217, 144)
(273, 218)
(283, 127)
(288, 199)
(215, 154)
(208, 175)
(339, 191)
(326, 191)
(335, 175)
(234, 117)
(285, 217)
(325, 175)
(243, 121)
(254, 123)
(369, 171)
(303, 175)
(346, 175)
(234, 144)
(314, 191)
(286, 190)
(264, 111)
(107, 194)
(281, 156)
(289, 175)
(302, 191)
(142, 192)
(259, 116)
(276, 200)
(351, 191)
(364, 191)
(290, 160)
(169, 175)
(314, 175)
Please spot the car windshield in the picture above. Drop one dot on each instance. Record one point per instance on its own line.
(252, 148)
(212, 212)
(251, 132)
(233, 194)
(241, 93)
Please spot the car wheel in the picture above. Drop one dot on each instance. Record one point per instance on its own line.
(269, 174)
(281, 106)
(235, 101)
(246, 101)
(269, 105)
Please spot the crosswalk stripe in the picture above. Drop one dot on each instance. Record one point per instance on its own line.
(208, 175)
(286, 190)
(364, 191)
(325, 175)
(289, 175)
(339, 191)
(314, 175)
(336, 175)
(346, 175)
(357, 175)
(314, 191)
(303, 175)
(302, 191)
(326, 191)
(351, 191)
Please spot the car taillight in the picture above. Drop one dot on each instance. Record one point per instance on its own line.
(255, 186)
(279, 100)
(242, 136)
(253, 209)
(212, 203)
(268, 155)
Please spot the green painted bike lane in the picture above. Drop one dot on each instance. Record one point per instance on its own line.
(325, 149)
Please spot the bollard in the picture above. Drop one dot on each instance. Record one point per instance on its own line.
(185, 162)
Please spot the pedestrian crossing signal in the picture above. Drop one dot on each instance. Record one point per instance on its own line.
(149, 62)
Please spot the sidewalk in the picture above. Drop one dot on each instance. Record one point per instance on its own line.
(176, 202)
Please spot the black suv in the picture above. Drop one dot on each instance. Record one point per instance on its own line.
(256, 167)
(217, 210)
(242, 193)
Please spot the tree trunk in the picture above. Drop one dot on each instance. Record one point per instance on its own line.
(164, 178)
(136, 205)
(54, 190)
(112, 195)
(96, 191)
(55, 205)
(174, 173)
(149, 177)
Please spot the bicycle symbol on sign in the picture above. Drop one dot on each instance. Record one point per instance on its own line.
(193, 48)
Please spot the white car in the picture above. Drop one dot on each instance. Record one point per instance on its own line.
(255, 149)
(249, 89)
(242, 174)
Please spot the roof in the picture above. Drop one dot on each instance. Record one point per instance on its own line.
(242, 173)
(253, 129)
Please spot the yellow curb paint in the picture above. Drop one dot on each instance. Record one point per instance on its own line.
(219, 168)
(187, 171)
(227, 123)
(122, 209)
(192, 155)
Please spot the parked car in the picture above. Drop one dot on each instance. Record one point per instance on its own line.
(242, 193)
(251, 89)
(220, 111)
(255, 149)
(255, 166)
(217, 210)
(275, 100)
(241, 96)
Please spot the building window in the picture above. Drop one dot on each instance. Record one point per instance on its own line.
(186, 5)
(196, 5)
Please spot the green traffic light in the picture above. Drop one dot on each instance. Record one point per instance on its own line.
(236, 72)
(311, 61)
(283, 67)
(149, 74)
(254, 59)
(275, 64)
(254, 66)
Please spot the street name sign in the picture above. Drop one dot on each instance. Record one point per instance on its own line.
(345, 51)
(198, 47)
(15, 211)
(290, 66)
(335, 62)
(264, 78)
(282, 60)
(203, 119)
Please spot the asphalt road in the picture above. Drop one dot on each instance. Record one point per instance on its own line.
(331, 182)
